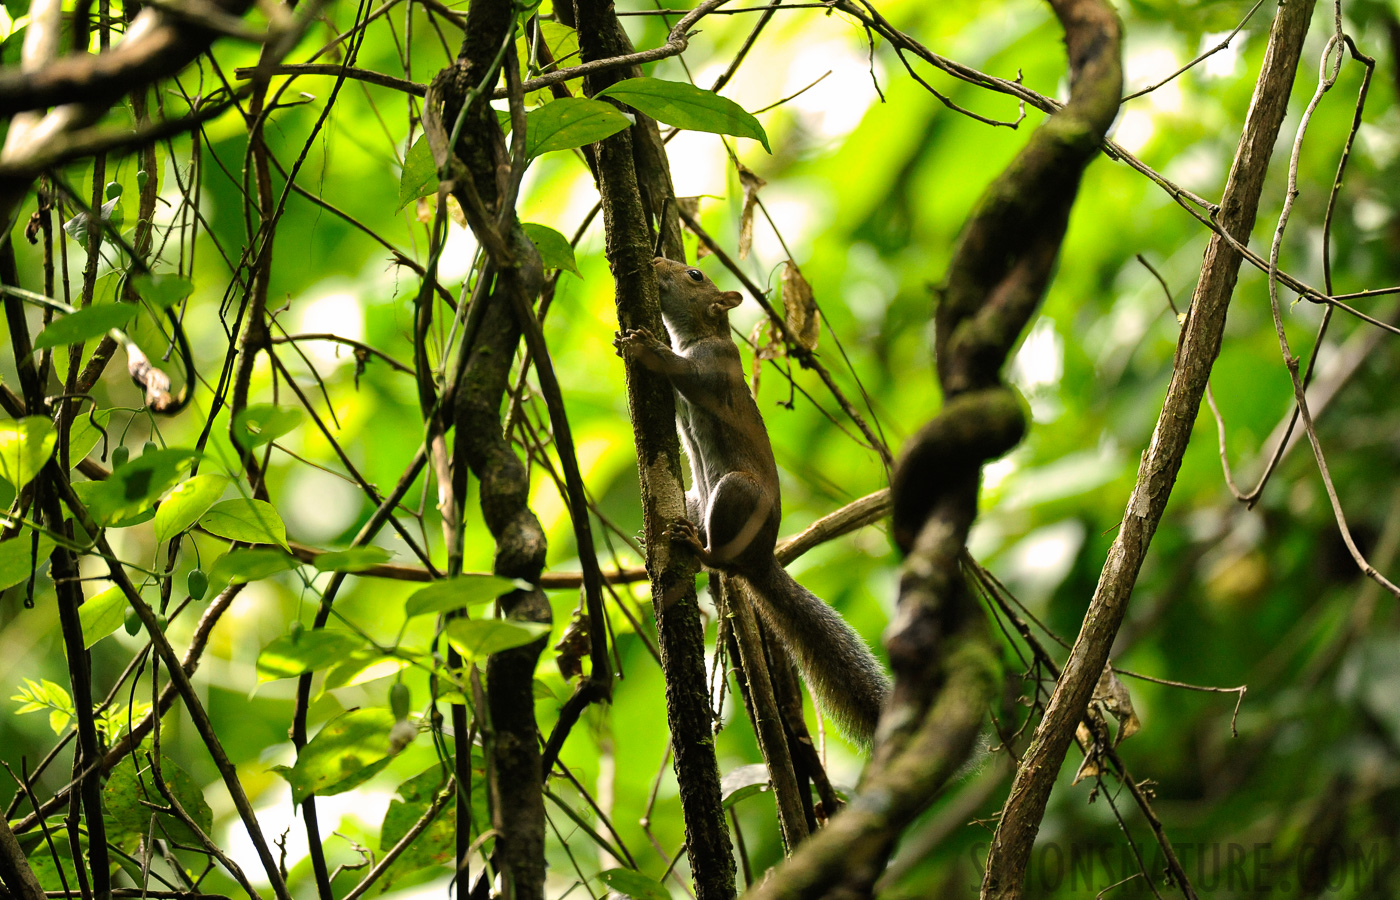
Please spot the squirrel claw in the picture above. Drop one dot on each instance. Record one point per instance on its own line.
(683, 531)
(633, 340)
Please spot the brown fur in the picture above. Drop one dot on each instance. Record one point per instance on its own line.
(734, 505)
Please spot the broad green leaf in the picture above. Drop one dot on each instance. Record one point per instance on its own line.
(25, 445)
(133, 781)
(687, 106)
(244, 565)
(249, 521)
(361, 666)
(559, 39)
(555, 250)
(102, 615)
(355, 559)
(435, 846)
(633, 884)
(289, 656)
(162, 290)
(189, 500)
(262, 423)
(349, 750)
(456, 593)
(562, 44)
(419, 177)
(17, 557)
(84, 435)
(479, 638)
(85, 324)
(45, 868)
(131, 489)
(570, 122)
(741, 782)
(96, 493)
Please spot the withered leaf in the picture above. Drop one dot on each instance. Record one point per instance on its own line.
(1113, 697)
(765, 346)
(751, 184)
(799, 307)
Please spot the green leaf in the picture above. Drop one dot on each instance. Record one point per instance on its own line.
(249, 521)
(570, 122)
(85, 324)
(456, 593)
(18, 559)
(263, 423)
(25, 445)
(741, 782)
(435, 845)
(96, 493)
(111, 213)
(190, 500)
(555, 250)
(84, 435)
(419, 177)
(163, 291)
(133, 781)
(633, 884)
(289, 656)
(244, 565)
(132, 489)
(355, 559)
(348, 751)
(361, 666)
(102, 615)
(479, 638)
(687, 106)
(562, 42)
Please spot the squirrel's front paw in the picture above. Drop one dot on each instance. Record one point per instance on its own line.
(634, 341)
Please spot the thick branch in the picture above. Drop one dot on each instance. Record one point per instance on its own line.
(672, 569)
(1196, 352)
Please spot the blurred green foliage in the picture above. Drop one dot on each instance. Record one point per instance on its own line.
(868, 183)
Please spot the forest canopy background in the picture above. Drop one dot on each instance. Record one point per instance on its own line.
(870, 178)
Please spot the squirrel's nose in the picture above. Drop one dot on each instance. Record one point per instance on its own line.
(657, 261)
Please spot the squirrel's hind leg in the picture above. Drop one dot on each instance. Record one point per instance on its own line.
(738, 518)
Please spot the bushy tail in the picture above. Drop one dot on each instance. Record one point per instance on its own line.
(842, 673)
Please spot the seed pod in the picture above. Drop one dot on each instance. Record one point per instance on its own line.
(399, 700)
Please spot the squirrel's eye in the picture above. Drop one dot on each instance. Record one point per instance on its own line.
(695, 275)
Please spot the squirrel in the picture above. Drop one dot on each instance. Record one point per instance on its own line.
(733, 508)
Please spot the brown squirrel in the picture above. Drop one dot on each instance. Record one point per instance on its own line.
(734, 507)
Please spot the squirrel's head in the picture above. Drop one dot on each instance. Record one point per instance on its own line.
(692, 305)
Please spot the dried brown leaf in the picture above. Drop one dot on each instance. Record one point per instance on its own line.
(751, 184)
(573, 646)
(800, 307)
(1111, 694)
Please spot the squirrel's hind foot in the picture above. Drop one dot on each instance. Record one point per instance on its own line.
(683, 531)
